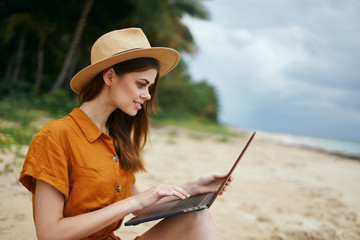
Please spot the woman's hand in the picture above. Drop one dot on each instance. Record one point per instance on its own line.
(153, 195)
(206, 183)
(210, 183)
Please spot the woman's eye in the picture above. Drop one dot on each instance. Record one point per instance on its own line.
(141, 85)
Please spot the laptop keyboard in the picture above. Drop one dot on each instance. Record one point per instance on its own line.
(191, 202)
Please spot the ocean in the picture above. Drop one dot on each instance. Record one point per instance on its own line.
(335, 146)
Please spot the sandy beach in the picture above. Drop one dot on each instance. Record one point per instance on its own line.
(279, 191)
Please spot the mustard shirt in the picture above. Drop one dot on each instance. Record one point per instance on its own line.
(74, 156)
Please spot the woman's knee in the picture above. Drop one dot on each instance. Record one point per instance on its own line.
(203, 215)
(195, 225)
(203, 224)
(201, 219)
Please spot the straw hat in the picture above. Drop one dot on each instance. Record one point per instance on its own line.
(122, 45)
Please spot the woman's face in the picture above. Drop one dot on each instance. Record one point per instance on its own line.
(129, 91)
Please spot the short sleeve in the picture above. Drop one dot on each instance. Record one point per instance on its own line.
(45, 161)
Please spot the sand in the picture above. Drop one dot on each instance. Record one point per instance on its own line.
(279, 191)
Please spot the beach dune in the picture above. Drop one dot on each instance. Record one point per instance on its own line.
(279, 191)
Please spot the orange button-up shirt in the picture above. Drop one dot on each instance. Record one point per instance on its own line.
(74, 156)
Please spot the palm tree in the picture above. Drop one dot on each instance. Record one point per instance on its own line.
(29, 23)
(69, 59)
(161, 20)
(14, 65)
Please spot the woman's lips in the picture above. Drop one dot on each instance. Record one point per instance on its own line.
(138, 105)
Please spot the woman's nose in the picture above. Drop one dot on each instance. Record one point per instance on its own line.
(146, 95)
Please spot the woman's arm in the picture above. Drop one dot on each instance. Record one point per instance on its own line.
(50, 223)
(49, 206)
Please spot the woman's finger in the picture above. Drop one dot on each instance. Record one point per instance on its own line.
(219, 175)
(171, 190)
(181, 193)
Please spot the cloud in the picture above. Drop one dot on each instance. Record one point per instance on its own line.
(283, 64)
(262, 56)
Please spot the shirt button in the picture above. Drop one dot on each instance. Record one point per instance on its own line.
(118, 188)
(115, 158)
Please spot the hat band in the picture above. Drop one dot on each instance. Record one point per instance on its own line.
(126, 51)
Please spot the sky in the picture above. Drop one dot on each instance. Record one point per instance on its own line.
(282, 66)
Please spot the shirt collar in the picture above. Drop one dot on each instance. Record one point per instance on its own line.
(88, 127)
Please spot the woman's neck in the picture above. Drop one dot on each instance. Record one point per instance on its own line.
(98, 113)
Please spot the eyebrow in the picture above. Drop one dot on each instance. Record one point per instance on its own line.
(147, 81)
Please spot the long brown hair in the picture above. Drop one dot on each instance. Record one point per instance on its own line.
(129, 133)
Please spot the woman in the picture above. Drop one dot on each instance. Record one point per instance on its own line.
(81, 168)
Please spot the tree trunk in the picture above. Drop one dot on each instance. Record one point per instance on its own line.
(9, 67)
(74, 44)
(71, 71)
(40, 67)
(19, 57)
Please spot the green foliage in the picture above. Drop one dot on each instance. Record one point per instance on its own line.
(57, 104)
(195, 124)
(21, 105)
(9, 87)
(181, 98)
(9, 168)
(35, 39)
(13, 161)
(20, 111)
(17, 135)
(15, 109)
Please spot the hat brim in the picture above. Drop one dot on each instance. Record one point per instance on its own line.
(168, 59)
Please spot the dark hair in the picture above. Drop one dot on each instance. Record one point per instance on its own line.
(129, 133)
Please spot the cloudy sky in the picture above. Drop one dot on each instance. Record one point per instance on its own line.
(282, 65)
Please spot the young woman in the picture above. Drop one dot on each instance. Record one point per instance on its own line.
(81, 168)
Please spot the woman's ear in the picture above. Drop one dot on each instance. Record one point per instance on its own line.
(108, 76)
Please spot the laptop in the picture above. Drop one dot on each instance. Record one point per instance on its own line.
(191, 204)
